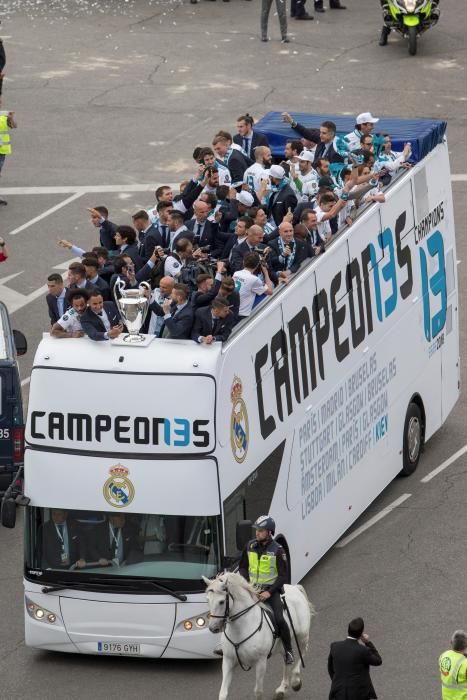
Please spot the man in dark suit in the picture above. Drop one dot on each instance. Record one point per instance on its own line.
(125, 238)
(231, 157)
(100, 219)
(177, 313)
(323, 137)
(213, 323)
(177, 229)
(56, 298)
(247, 138)
(251, 244)
(204, 231)
(146, 232)
(286, 254)
(60, 543)
(114, 540)
(282, 197)
(92, 276)
(101, 321)
(349, 665)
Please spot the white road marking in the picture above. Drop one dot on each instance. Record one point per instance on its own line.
(46, 213)
(65, 265)
(25, 381)
(459, 178)
(379, 516)
(444, 465)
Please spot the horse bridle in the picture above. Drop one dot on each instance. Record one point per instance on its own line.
(227, 618)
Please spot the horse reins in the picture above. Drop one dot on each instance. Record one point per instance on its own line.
(233, 618)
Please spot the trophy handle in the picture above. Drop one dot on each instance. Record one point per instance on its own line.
(147, 286)
(120, 284)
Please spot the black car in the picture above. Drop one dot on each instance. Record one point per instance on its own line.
(12, 343)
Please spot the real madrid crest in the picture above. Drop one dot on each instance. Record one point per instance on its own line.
(239, 433)
(119, 490)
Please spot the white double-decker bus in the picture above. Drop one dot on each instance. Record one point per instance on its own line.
(143, 460)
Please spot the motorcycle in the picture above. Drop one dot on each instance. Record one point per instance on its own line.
(411, 18)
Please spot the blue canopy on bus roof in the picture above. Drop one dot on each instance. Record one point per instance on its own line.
(423, 134)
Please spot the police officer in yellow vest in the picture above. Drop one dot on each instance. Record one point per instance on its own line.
(453, 668)
(264, 564)
(7, 121)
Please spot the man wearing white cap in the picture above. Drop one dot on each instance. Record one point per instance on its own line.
(277, 196)
(364, 125)
(306, 179)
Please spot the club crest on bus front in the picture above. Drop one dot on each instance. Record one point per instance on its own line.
(118, 489)
(239, 433)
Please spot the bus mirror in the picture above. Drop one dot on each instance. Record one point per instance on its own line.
(8, 513)
(243, 533)
(20, 342)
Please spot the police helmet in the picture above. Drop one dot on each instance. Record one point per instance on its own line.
(265, 522)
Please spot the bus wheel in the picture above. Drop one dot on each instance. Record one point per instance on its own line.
(413, 439)
(8, 513)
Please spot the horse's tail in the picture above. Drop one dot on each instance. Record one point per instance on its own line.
(310, 604)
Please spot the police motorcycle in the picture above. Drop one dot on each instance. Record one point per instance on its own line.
(411, 18)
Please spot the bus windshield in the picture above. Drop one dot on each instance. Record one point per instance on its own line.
(74, 545)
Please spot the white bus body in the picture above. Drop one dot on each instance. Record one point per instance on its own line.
(303, 413)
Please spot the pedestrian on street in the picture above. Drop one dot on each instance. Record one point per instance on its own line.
(7, 121)
(453, 668)
(281, 13)
(297, 10)
(2, 66)
(3, 251)
(349, 665)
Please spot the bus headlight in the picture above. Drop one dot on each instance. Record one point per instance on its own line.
(39, 613)
(198, 622)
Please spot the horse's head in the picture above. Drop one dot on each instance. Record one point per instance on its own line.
(218, 601)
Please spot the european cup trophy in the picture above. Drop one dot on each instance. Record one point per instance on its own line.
(133, 307)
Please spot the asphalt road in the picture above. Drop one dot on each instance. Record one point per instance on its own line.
(118, 94)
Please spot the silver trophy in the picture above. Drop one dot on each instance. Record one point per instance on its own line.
(133, 307)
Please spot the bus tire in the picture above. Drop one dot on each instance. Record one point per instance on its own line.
(8, 514)
(412, 440)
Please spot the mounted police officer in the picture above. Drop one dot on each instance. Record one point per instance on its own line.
(453, 668)
(264, 564)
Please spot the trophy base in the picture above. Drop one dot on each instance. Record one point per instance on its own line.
(135, 341)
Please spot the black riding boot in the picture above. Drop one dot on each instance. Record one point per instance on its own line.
(385, 32)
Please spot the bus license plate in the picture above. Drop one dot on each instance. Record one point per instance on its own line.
(118, 648)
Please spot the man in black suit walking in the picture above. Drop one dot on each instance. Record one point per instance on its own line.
(349, 665)
(213, 322)
(101, 321)
(247, 137)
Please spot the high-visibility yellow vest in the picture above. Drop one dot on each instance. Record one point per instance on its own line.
(453, 670)
(5, 145)
(262, 569)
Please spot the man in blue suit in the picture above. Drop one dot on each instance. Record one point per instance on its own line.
(101, 321)
(177, 313)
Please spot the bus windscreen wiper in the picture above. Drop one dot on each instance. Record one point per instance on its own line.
(90, 585)
(154, 582)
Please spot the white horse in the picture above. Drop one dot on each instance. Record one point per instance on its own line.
(248, 637)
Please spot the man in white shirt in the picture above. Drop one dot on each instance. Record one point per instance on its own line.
(249, 286)
(69, 324)
(259, 170)
(364, 125)
(306, 180)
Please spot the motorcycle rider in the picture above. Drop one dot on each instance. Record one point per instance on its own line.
(386, 30)
(264, 564)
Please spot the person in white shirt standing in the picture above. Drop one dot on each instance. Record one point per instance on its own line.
(305, 182)
(249, 286)
(259, 170)
(364, 125)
